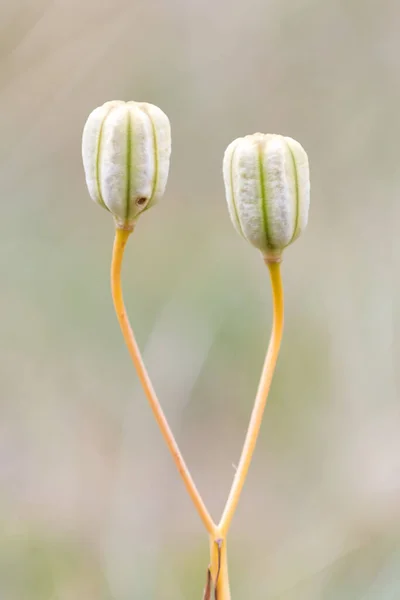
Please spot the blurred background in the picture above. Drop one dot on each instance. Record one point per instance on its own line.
(91, 507)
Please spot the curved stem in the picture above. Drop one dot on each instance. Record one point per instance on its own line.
(261, 398)
(121, 238)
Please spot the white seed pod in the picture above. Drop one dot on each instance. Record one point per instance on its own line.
(126, 149)
(267, 183)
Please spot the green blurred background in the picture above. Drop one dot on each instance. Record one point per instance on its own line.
(91, 507)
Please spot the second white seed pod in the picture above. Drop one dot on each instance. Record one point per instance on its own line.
(126, 149)
(267, 185)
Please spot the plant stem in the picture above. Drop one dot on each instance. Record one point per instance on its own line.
(261, 398)
(121, 238)
(219, 568)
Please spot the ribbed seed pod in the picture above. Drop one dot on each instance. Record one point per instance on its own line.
(126, 149)
(267, 185)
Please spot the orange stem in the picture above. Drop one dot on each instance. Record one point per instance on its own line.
(219, 569)
(121, 238)
(260, 401)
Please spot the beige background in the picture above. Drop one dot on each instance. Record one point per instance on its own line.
(90, 505)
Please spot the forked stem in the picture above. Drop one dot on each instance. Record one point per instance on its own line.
(261, 398)
(219, 565)
(121, 238)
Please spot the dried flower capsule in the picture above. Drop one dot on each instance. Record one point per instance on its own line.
(267, 185)
(126, 149)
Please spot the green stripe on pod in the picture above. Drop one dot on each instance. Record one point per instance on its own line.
(92, 145)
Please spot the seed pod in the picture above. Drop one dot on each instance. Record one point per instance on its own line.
(126, 149)
(267, 185)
